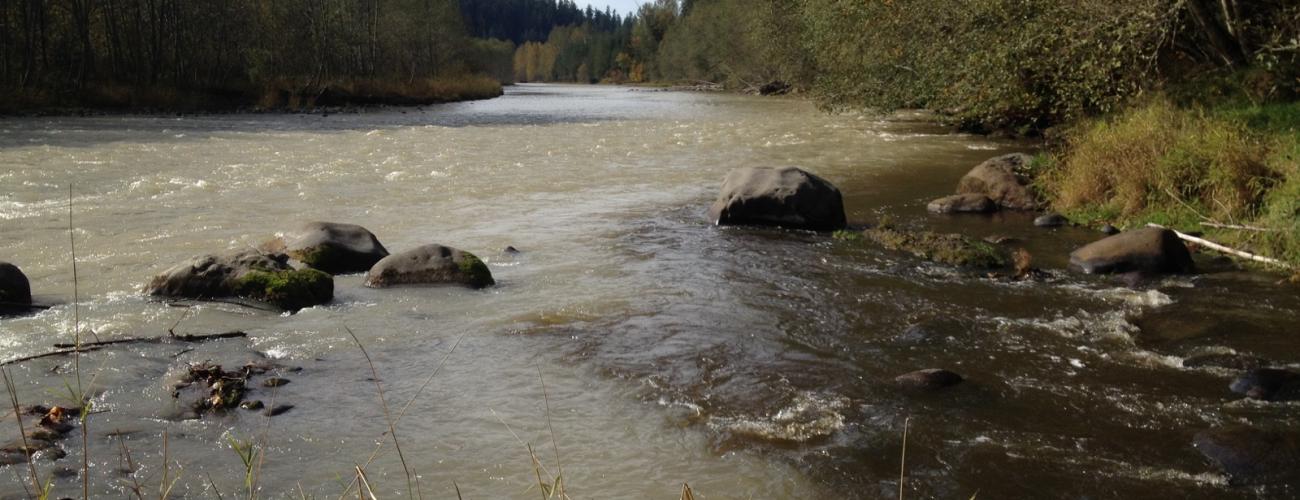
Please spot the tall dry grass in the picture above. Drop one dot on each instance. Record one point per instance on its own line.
(1191, 166)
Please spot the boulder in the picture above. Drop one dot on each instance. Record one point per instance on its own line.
(785, 197)
(1147, 250)
(1252, 456)
(929, 379)
(335, 248)
(1268, 384)
(962, 204)
(430, 264)
(15, 290)
(247, 274)
(1051, 220)
(951, 249)
(999, 179)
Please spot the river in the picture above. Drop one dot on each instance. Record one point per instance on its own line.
(749, 363)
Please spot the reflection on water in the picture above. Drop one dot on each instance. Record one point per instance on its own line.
(746, 362)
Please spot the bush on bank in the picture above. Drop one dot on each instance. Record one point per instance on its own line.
(1230, 162)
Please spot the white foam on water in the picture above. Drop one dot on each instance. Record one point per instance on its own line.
(808, 416)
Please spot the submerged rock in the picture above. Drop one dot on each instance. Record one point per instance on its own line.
(951, 249)
(1051, 220)
(15, 290)
(962, 203)
(430, 264)
(1252, 456)
(929, 379)
(1268, 384)
(785, 197)
(999, 179)
(334, 247)
(247, 274)
(1148, 250)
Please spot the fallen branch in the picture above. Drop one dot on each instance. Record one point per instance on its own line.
(154, 340)
(20, 305)
(51, 354)
(1230, 251)
(1236, 226)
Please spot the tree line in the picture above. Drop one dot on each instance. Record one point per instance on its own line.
(121, 51)
(989, 63)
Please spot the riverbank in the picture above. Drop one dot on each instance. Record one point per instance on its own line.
(277, 96)
(1228, 168)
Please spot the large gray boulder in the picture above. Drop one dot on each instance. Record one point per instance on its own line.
(246, 274)
(1146, 250)
(785, 197)
(962, 204)
(1000, 180)
(429, 265)
(334, 247)
(15, 290)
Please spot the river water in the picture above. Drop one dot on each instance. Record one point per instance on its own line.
(749, 363)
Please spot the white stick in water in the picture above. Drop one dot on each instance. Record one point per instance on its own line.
(1231, 251)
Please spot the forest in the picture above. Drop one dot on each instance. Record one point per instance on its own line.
(174, 54)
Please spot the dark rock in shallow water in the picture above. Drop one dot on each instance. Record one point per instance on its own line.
(962, 203)
(1252, 456)
(1269, 384)
(335, 248)
(929, 379)
(511, 250)
(275, 382)
(1109, 230)
(784, 197)
(1229, 361)
(1151, 250)
(248, 274)
(1051, 220)
(1000, 179)
(278, 410)
(427, 265)
(15, 289)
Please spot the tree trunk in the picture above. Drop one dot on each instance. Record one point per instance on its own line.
(1224, 43)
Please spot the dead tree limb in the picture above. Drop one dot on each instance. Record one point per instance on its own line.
(1228, 250)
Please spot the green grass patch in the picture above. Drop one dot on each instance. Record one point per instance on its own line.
(1222, 161)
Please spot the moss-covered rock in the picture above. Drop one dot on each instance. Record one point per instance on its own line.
(248, 274)
(951, 249)
(286, 289)
(334, 247)
(428, 265)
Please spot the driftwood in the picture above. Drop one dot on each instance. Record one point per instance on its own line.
(66, 349)
(155, 340)
(1240, 227)
(20, 305)
(1224, 249)
(51, 354)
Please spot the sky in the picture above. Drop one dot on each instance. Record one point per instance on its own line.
(622, 6)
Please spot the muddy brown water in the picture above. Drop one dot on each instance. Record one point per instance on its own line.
(750, 363)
